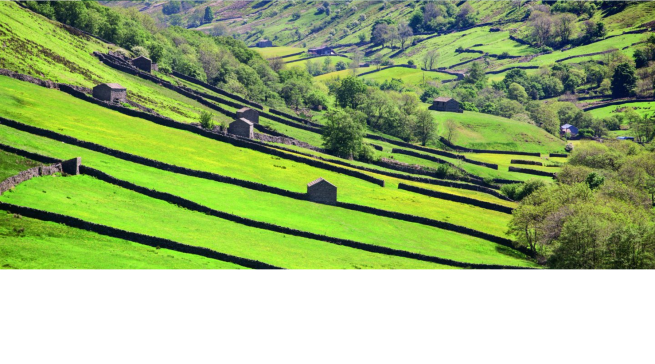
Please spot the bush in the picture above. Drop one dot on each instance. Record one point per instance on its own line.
(410, 62)
(586, 133)
(469, 106)
(569, 147)
(206, 120)
(519, 191)
(442, 171)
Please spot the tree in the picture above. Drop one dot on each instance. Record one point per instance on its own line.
(380, 34)
(476, 76)
(624, 80)
(209, 15)
(424, 128)
(430, 59)
(564, 26)
(404, 33)
(541, 24)
(517, 92)
(343, 133)
(206, 120)
(347, 91)
(451, 130)
(170, 8)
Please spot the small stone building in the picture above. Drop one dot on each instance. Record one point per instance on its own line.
(568, 129)
(264, 43)
(111, 92)
(241, 127)
(322, 191)
(320, 51)
(248, 114)
(143, 63)
(446, 104)
(72, 166)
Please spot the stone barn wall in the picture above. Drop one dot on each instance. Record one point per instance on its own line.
(322, 191)
(248, 114)
(241, 127)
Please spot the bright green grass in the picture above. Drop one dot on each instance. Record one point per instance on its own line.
(319, 60)
(41, 107)
(642, 108)
(272, 52)
(484, 131)
(11, 164)
(407, 75)
(341, 74)
(322, 219)
(504, 162)
(92, 200)
(512, 48)
(59, 56)
(33, 244)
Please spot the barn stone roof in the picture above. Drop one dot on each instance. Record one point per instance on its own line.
(443, 99)
(243, 109)
(245, 121)
(319, 180)
(114, 86)
(142, 57)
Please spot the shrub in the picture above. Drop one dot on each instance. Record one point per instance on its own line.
(469, 106)
(442, 171)
(519, 191)
(586, 133)
(410, 62)
(206, 120)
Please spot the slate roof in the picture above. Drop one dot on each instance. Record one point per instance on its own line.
(566, 126)
(443, 99)
(114, 86)
(142, 57)
(316, 181)
(243, 109)
(245, 121)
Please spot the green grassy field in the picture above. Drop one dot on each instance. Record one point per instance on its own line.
(11, 164)
(38, 106)
(41, 48)
(484, 131)
(33, 244)
(302, 215)
(273, 52)
(642, 108)
(407, 75)
(92, 200)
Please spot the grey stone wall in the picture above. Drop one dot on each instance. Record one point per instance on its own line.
(110, 95)
(23, 176)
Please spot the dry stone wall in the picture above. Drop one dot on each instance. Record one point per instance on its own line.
(532, 163)
(532, 171)
(461, 199)
(468, 150)
(133, 237)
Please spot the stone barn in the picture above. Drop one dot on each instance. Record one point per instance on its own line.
(143, 63)
(248, 114)
(72, 166)
(264, 43)
(320, 51)
(446, 104)
(322, 191)
(111, 92)
(241, 127)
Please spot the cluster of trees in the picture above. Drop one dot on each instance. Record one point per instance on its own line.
(220, 61)
(393, 113)
(598, 215)
(386, 31)
(561, 29)
(326, 65)
(442, 16)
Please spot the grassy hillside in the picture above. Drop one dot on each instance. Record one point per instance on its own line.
(483, 131)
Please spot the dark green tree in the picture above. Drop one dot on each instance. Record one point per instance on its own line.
(624, 80)
(343, 133)
(348, 90)
(209, 15)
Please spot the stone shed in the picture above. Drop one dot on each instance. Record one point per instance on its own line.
(446, 104)
(248, 114)
(322, 191)
(143, 63)
(241, 127)
(264, 43)
(111, 92)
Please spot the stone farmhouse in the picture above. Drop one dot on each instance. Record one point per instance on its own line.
(241, 127)
(111, 92)
(264, 43)
(446, 104)
(321, 51)
(322, 191)
(568, 129)
(143, 63)
(248, 114)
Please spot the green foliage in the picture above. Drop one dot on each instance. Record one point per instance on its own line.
(429, 94)
(519, 191)
(343, 133)
(207, 120)
(594, 180)
(349, 91)
(469, 106)
(624, 80)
